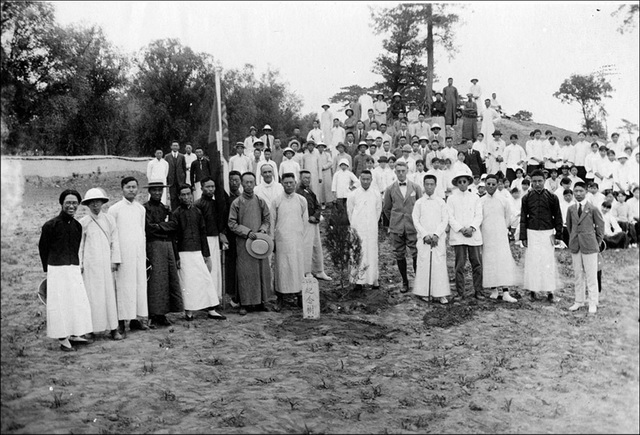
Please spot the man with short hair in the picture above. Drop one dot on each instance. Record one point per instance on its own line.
(199, 290)
(451, 100)
(535, 152)
(189, 158)
(476, 91)
(399, 199)
(499, 269)
(402, 132)
(495, 163)
(249, 141)
(200, 168)
(488, 117)
(586, 231)
(364, 206)
(267, 138)
(177, 173)
(311, 163)
(473, 159)
(540, 223)
(582, 149)
(68, 309)
(338, 134)
(131, 275)
(269, 190)
(158, 170)
(420, 127)
(240, 162)
(266, 161)
(465, 218)
(231, 287)
(407, 159)
(291, 214)
(289, 165)
(430, 217)
(314, 257)
(514, 157)
(249, 215)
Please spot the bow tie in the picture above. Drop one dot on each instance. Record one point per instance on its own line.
(403, 184)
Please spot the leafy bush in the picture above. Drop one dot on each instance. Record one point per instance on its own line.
(523, 115)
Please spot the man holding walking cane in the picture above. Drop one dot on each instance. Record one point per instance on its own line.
(431, 217)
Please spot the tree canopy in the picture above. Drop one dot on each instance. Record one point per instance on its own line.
(588, 91)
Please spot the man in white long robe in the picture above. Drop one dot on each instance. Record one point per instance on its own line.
(311, 163)
(99, 257)
(499, 269)
(291, 215)
(489, 116)
(326, 123)
(364, 206)
(326, 165)
(269, 190)
(131, 275)
(431, 217)
(158, 170)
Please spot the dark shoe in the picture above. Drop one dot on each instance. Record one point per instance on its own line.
(67, 349)
(479, 296)
(550, 297)
(162, 321)
(261, 307)
(299, 301)
(137, 324)
(375, 287)
(533, 297)
(277, 307)
(115, 335)
(242, 312)
(405, 287)
(216, 316)
(188, 317)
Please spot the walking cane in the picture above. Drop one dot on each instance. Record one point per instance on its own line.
(430, 261)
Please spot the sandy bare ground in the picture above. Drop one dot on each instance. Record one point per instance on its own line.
(373, 363)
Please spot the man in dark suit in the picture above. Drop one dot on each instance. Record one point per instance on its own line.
(399, 199)
(360, 134)
(586, 231)
(473, 159)
(177, 173)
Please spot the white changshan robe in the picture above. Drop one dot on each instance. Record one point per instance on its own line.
(291, 214)
(499, 269)
(131, 276)
(364, 208)
(100, 246)
(489, 115)
(431, 217)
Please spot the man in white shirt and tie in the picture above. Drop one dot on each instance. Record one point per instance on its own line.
(248, 142)
(267, 138)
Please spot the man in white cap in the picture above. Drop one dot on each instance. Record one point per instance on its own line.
(99, 258)
(68, 308)
(248, 215)
(337, 135)
(397, 105)
(249, 141)
(289, 165)
(315, 134)
(399, 199)
(622, 174)
(326, 124)
(158, 169)
(465, 218)
(291, 215)
(364, 206)
(267, 138)
(476, 91)
(240, 162)
(499, 269)
(431, 217)
(326, 164)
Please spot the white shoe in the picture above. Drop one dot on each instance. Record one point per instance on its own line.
(576, 306)
(507, 297)
(444, 301)
(592, 308)
(323, 276)
(494, 294)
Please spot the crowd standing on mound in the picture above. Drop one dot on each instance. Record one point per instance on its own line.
(388, 166)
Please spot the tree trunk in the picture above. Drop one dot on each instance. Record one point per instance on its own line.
(428, 94)
(106, 147)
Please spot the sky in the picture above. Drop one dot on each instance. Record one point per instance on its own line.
(522, 51)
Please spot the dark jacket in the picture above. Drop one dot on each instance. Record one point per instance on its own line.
(177, 170)
(60, 241)
(200, 168)
(191, 230)
(213, 211)
(313, 206)
(474, 162)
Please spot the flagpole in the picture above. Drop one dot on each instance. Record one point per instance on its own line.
(219, 135)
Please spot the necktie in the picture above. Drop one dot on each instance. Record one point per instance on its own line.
(268, 141)
(580, 210)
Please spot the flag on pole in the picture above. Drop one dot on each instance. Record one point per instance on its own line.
(218, 142)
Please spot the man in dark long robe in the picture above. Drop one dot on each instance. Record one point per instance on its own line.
(248, 215)
(231, 282)
(450, 94)
(470, 120)
(164, 294)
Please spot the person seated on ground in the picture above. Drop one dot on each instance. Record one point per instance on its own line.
(552, 183)
(594, 196)
(634, 211)
(614, 237)
(621, 211)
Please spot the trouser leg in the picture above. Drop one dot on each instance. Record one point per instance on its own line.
(475, 258)
(461, 260)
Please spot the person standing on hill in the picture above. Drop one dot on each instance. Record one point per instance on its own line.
(200, 168)
(540, 223)
(451, 99)
(164, 294)
(158, 169)
(488, 116)
(399, 200)
(177, 173)
(68, 308)
(231, 279)
(99, 258)
(470, 120)
(131, 276)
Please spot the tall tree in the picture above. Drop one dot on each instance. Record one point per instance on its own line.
(588, 91)
(630, 13)
(413, 30)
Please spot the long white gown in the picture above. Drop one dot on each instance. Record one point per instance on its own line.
(489, 115)
(291, 214)
(326, 122)
(499, 269)
(364, 208)
(431, 216)
(100, 246)
(131, 276)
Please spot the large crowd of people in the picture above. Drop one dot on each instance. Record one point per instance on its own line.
(387, 166)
